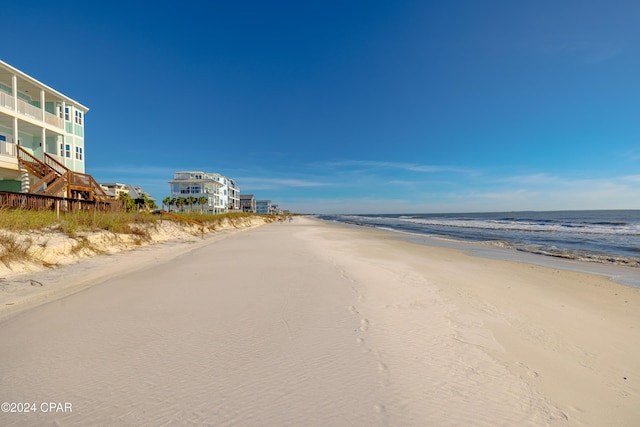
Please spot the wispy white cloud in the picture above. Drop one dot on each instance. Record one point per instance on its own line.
(531, 179)
(526, 192)
(133, 170)
(259, 183)
(592, 52)
(632, 155)
(410, 167)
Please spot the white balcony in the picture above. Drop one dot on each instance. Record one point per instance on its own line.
(6, 100)
(31, 111)
(53, 120)
(7, 149)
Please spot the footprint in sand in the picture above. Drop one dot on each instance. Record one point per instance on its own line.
(353, 310)
(379, 408)
(364, 325)
(361, 342)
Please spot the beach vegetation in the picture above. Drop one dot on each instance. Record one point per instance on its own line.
(85, 245)
(127, 201)
(202, 201)
(134, 223)
(13, 249)
(166, 203)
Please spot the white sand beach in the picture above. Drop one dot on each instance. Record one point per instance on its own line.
(316, 324)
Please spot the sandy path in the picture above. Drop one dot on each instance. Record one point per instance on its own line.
(314, 324)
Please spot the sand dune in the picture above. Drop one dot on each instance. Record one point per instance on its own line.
(310, 323)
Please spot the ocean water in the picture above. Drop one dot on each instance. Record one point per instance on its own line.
(601, 236)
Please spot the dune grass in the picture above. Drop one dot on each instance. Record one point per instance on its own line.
(13, 250)
(212, 222)
(17, 221)
(13, 222)
(117, 222)
(71, 224)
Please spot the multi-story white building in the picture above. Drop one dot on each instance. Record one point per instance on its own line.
(40, 120)
(229, 193)
(234, 195)
(222, 193)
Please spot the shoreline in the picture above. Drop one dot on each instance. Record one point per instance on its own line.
(621, 274)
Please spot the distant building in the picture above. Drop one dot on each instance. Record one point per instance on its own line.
(229, 193)
(234, 195)
(263, 206)
(136, 192)
(248, 203)
(199, 185)
(115, 189)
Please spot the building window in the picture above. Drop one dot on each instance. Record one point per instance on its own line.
(78, 153)
(66, 113)
(67, 151)
(79, 117)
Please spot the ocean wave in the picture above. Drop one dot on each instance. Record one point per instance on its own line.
(493, 224)
(603, 237)
(569, 254)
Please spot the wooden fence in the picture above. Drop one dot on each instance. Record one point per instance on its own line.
(11, 200)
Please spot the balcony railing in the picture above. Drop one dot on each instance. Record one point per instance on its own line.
(7, 149)
(53, 120)
(29, 110)
(6, 100)
(32, 111)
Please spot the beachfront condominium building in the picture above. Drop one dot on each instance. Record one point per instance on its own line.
(201, 185)
(221, 193)
(263, 206)
(248, 203)
(229, 193)
(41, 121)
(234, 195)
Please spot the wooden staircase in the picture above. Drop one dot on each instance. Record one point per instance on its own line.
(55, 179)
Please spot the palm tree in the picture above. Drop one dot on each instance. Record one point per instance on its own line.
(128, 202)
(166, 202)
(180, 202)
(191, 200)
(202, 201)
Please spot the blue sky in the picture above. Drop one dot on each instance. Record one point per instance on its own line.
(353, 106)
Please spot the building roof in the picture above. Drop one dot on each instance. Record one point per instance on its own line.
(37, 84)
(137, 192)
